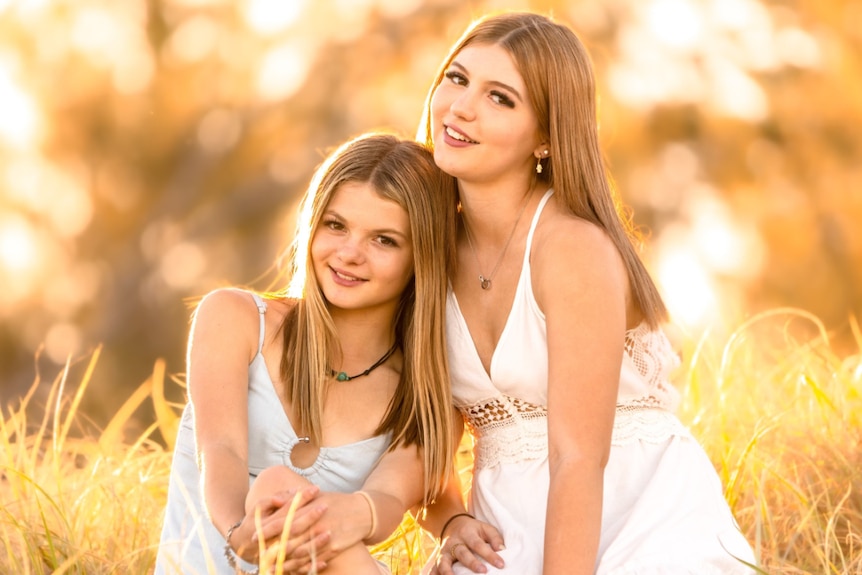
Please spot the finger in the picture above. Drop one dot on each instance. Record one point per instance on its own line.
(443, 566)
(313, 568)
(463, 554)
(272, 561)
(494, 538)
(485, 550)
(301, 522)
(318, 546)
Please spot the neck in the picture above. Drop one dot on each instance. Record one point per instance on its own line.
(491, 210)
(363, 337)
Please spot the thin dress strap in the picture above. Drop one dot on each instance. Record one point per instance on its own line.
(261, 308)
(535, 221)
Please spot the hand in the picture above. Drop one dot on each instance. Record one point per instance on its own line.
(467, 541)
(286, 524)
(320, 529)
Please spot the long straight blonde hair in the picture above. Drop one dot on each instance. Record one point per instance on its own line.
(419, 413)
(558, 74)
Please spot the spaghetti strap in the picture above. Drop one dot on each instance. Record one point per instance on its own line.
(261, 308)
(535, 221)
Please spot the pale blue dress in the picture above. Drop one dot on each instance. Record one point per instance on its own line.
(190, 543)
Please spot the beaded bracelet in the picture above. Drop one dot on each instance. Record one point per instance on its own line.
(231, 555)
(448, 521)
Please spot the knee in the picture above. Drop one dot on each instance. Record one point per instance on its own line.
(273, 480)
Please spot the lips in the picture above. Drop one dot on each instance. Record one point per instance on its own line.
(345, 279)
(458, 135)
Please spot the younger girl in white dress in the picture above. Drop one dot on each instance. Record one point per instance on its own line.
(336, 388)
(557, 360)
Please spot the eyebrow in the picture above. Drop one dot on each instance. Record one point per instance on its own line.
(379, 231)
(493, 82)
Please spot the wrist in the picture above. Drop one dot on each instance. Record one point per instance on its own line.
(451, 520)
(233, 558)
(373, 513)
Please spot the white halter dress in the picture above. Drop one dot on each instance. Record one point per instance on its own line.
(663, 509)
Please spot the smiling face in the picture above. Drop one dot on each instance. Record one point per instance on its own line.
(362, 250)
(483, 125)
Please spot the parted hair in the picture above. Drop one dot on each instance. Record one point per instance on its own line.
(419, 413)
(558, 74)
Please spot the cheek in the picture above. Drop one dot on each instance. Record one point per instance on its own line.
(439, 104)
(317, 250)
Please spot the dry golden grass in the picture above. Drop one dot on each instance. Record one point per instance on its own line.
(776, 409)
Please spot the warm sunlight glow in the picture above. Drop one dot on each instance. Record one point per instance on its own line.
(19, 117)
(398, 8)
(798, 48)
(283, 71)
(94, 32)
(194, 39)
(734, 93)
(676, 23)
(680, 52)
(62, 341)
(58, 194)
(686, 286)
(725, 246)
(17, 246)
(219, 130)
(182, 265)
(271, 16)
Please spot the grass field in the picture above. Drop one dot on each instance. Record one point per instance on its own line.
(777, 410)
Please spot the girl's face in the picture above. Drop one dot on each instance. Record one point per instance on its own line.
(362, 251)
(483, 125)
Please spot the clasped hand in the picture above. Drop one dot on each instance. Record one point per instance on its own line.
(301, 529)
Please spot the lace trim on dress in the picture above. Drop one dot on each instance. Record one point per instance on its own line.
(511, 430)
(653, 357)
(507, 430)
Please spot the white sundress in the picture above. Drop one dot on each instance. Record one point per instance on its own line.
(663, 510)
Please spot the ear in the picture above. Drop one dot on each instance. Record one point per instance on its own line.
(542, 151)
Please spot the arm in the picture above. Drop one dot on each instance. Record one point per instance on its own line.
(447, 518)
(222, 343)
(585, 307)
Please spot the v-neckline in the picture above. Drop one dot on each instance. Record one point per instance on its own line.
(489, 373)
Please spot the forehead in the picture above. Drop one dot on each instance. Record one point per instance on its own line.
(362, 201)
(490, 62)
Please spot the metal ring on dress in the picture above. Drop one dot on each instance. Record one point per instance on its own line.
(454, 547)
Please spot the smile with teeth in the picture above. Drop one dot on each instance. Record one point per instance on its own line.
(346, 277)
(460, 137)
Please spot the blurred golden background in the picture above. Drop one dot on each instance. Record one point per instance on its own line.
(152, 150)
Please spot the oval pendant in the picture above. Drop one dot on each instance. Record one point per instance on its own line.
(484, 282)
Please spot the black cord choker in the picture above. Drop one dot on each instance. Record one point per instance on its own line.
(341, 376)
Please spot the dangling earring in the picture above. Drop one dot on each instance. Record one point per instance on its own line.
(539, 163)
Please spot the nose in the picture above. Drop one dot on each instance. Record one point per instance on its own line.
(463, 104)
(351, 250)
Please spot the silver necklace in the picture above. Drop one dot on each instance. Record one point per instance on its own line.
(485, 282)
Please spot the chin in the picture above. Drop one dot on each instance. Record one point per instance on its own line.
(448, 164)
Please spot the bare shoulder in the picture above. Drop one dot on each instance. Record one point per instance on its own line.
(577, 241)
(573, 257)
(230, 302)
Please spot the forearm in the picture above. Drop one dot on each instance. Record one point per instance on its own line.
(388, 513)
(573, 524)
(449, 504)
(224, 483)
